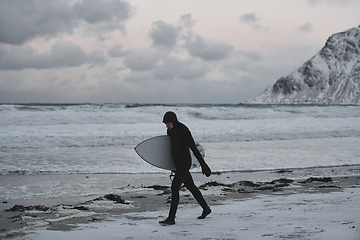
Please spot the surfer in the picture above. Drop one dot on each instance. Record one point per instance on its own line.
(181, 141)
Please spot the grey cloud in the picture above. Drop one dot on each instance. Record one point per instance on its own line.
(66, 54)
(164, 34)
(306, 28)
(117, 51)
(103, 16)
(254, 56)
(21, 21)
(3, 52)
(143, 59)
(96, 57)
(249, 18)
(138, 77)
(62, 54)
(187, 21)
(175, 68)
(208, 49)
(260, 27)
(313, 2)
(253, 20)
(94, 11)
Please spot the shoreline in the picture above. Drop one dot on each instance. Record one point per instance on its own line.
(92, 185)
(67, 213)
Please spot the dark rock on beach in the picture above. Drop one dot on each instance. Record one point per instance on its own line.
(246, 184)
(213, 184)
(249, 186)
(158, 187)
(316, 179)
(112, 197)
(81, 208)
(284, 171)
(22, 208)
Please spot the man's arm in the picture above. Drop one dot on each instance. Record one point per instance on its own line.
(205, 168)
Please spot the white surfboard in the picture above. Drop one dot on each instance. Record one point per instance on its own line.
(157, 152)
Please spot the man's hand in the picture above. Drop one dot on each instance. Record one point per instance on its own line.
(205, 170)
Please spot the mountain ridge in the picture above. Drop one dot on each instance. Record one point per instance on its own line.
(332, 76)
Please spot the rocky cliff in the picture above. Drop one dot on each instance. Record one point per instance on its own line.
(331, 76)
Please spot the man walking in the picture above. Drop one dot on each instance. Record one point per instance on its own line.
(181, 142)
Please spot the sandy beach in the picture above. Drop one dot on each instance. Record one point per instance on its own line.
(309, 203)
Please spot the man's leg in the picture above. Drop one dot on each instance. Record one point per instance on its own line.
(175, 197)
(190, 185)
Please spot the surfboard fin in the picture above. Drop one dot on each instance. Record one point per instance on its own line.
(172, 175)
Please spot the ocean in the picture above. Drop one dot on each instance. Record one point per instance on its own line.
(68, 140)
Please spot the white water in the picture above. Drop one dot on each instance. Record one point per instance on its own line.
(89, 138)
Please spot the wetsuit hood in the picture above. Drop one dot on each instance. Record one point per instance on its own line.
(170, 117)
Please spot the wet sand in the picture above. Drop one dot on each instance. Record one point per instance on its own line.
(138, 194)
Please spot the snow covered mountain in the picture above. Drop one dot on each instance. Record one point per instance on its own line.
(331, 76)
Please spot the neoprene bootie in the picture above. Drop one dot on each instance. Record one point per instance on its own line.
(205, 213)
(168, 221)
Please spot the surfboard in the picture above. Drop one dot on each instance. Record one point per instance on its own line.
(157, 152)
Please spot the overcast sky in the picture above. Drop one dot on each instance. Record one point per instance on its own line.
(159, 51)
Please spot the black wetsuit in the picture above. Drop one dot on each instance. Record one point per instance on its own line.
(181, 143)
